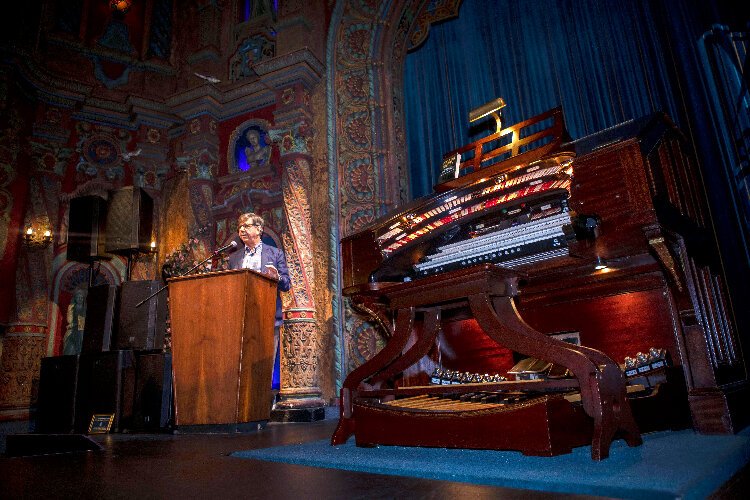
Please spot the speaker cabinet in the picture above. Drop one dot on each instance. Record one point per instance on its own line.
(56, 407)
(152, 408)
(141, 327)
(129, 220)
(106, 385)
(101, 318)
(86, 236)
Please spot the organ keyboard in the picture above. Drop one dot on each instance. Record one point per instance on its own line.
(549, 209)
(538, 239)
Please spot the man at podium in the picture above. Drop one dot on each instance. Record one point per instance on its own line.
(262, 258)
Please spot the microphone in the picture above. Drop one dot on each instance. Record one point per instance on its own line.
(232, 244)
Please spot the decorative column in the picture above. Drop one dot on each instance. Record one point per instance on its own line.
(27, 339)
(300, 397)
(148, 160)
(201, 159)
(25, 342)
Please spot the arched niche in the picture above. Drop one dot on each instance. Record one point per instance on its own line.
(367, 165)
(68, 277)
(249, 149)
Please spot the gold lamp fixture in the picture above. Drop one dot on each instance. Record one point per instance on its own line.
(37, 236)
(491, 108)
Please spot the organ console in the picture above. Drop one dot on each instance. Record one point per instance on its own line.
(501, 258)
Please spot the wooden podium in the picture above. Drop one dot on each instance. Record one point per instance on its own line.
(222, 347)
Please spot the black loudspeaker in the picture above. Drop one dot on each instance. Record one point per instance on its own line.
(141, 327)
(86, 219)
(101, 318)
(129, 220)
(106, 384)
(56, 407)
(152, 407)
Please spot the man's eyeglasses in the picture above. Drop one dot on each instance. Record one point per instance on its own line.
(245, 227)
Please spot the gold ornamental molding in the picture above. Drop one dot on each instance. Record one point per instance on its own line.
(432, 12)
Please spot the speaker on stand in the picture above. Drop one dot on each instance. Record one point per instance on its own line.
(129, 223)
(86, 229)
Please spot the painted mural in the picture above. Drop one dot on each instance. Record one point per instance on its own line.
(210, 126)
(251, 150)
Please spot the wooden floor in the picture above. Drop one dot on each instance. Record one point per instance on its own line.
(185, 466)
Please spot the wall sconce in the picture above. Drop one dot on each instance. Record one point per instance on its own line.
(600, 264)
(37, 238)
(152, 247)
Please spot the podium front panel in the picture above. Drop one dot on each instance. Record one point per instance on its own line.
(222, 347)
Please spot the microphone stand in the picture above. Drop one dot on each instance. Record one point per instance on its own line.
(217, 252)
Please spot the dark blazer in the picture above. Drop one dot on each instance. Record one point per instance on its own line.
(269, 255)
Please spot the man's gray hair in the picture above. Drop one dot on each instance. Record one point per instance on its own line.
(251, 219)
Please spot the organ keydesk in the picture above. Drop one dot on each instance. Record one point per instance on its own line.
(502, 257)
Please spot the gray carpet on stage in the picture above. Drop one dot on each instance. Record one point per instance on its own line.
(668, 465)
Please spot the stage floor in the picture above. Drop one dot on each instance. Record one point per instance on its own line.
(199, 466)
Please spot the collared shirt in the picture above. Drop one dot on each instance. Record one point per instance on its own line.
(252, 257)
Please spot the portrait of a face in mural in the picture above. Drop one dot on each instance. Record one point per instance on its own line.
(257, 152)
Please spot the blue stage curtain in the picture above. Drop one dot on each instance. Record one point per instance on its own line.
(603, 61)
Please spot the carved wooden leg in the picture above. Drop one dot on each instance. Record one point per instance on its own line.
(615, 405)
(386, 356)
(420, 348)
(345, 427)
(619, 406)
(601, 436)
(515, 334)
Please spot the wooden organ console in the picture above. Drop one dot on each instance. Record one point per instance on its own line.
(487, 269)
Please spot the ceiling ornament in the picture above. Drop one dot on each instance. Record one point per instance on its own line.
(433, 12)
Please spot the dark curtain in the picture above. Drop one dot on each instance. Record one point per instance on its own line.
(604, 62)
(601, 60)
